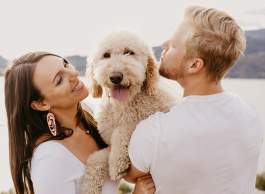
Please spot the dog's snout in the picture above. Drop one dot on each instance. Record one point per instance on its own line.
(116, 77)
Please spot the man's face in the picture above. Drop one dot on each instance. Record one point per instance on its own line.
(173, 62)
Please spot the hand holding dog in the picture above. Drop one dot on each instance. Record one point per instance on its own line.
(144, 185)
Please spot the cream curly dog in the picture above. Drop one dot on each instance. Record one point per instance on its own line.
(124, 73)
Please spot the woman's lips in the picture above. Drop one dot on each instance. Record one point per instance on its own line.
(78, 86)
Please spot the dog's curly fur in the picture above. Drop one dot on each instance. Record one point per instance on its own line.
(126, 53)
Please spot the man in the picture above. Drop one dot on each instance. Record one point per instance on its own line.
(210, 142)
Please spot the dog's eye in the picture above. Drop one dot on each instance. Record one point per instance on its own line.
(128, 52)
(106, 55)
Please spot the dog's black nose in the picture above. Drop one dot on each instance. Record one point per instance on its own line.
(116, 77)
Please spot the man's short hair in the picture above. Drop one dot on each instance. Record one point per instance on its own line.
(216, 38)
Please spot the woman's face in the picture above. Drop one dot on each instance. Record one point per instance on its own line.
(58, 82)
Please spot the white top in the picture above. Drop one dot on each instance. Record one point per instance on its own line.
(204, 145)
(55, 170)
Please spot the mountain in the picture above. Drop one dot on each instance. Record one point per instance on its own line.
(255, 41)
(3, 63)
(79, 62)
(157, 51)
(251, 65)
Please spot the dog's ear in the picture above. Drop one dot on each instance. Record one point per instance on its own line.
(152, 76)
(95, 89)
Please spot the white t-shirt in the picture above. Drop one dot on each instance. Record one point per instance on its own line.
(55, 170)
(204, 145)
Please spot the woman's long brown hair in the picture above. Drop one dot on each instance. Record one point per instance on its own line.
(26, 125)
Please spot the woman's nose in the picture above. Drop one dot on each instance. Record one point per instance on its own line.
(73, 73)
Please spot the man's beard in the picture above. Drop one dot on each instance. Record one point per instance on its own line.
(164, 73)
(170, 75)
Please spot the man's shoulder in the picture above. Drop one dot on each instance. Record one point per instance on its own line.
(242, 106)
(153, 122)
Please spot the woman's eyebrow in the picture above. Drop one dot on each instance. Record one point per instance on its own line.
(65, 61)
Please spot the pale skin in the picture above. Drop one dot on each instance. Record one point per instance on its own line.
(58, 82)
(190, 73)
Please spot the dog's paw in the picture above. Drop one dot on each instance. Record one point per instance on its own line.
(116, 175)
(90, 186)
(91, 191)
(118, 168)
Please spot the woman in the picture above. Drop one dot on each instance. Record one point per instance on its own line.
(50, 134)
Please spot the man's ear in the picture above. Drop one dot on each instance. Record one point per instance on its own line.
(196, 65)
(39, 105)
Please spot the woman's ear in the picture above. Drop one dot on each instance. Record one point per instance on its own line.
(40, 105)
(151, 76)
(196, 65)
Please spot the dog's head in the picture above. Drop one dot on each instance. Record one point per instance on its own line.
(122, 67)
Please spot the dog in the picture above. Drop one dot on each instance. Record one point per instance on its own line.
(124, 73)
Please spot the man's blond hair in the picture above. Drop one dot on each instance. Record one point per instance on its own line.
(216, 38)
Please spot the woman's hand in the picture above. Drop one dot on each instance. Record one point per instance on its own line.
(144, 185)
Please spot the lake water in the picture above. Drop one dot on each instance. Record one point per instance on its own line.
(252, 90)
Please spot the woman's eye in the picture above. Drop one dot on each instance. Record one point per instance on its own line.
(128, 52)
(60, 79)
(106, 55)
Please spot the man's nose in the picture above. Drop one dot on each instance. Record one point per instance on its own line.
(164, 45)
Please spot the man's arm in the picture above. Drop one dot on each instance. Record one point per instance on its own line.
(142, 148)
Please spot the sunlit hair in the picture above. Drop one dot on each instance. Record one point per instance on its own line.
(26, 125)
(216, 38)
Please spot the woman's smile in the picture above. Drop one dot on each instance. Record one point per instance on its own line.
(78, 86)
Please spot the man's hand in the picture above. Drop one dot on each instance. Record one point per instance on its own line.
(144, 185)
(133, 174)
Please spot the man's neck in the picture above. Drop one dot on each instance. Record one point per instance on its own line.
(201, 88)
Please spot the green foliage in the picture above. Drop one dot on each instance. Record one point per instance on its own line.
(260, 181)
(125, 187)
(11, 191)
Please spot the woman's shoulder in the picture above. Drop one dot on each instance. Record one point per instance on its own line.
(55, 154)
(49, 148)
(52, 157)
(53, 169)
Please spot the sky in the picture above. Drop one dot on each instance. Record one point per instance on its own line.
(69, 27)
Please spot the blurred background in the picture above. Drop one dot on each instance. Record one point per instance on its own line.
(73, 29)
